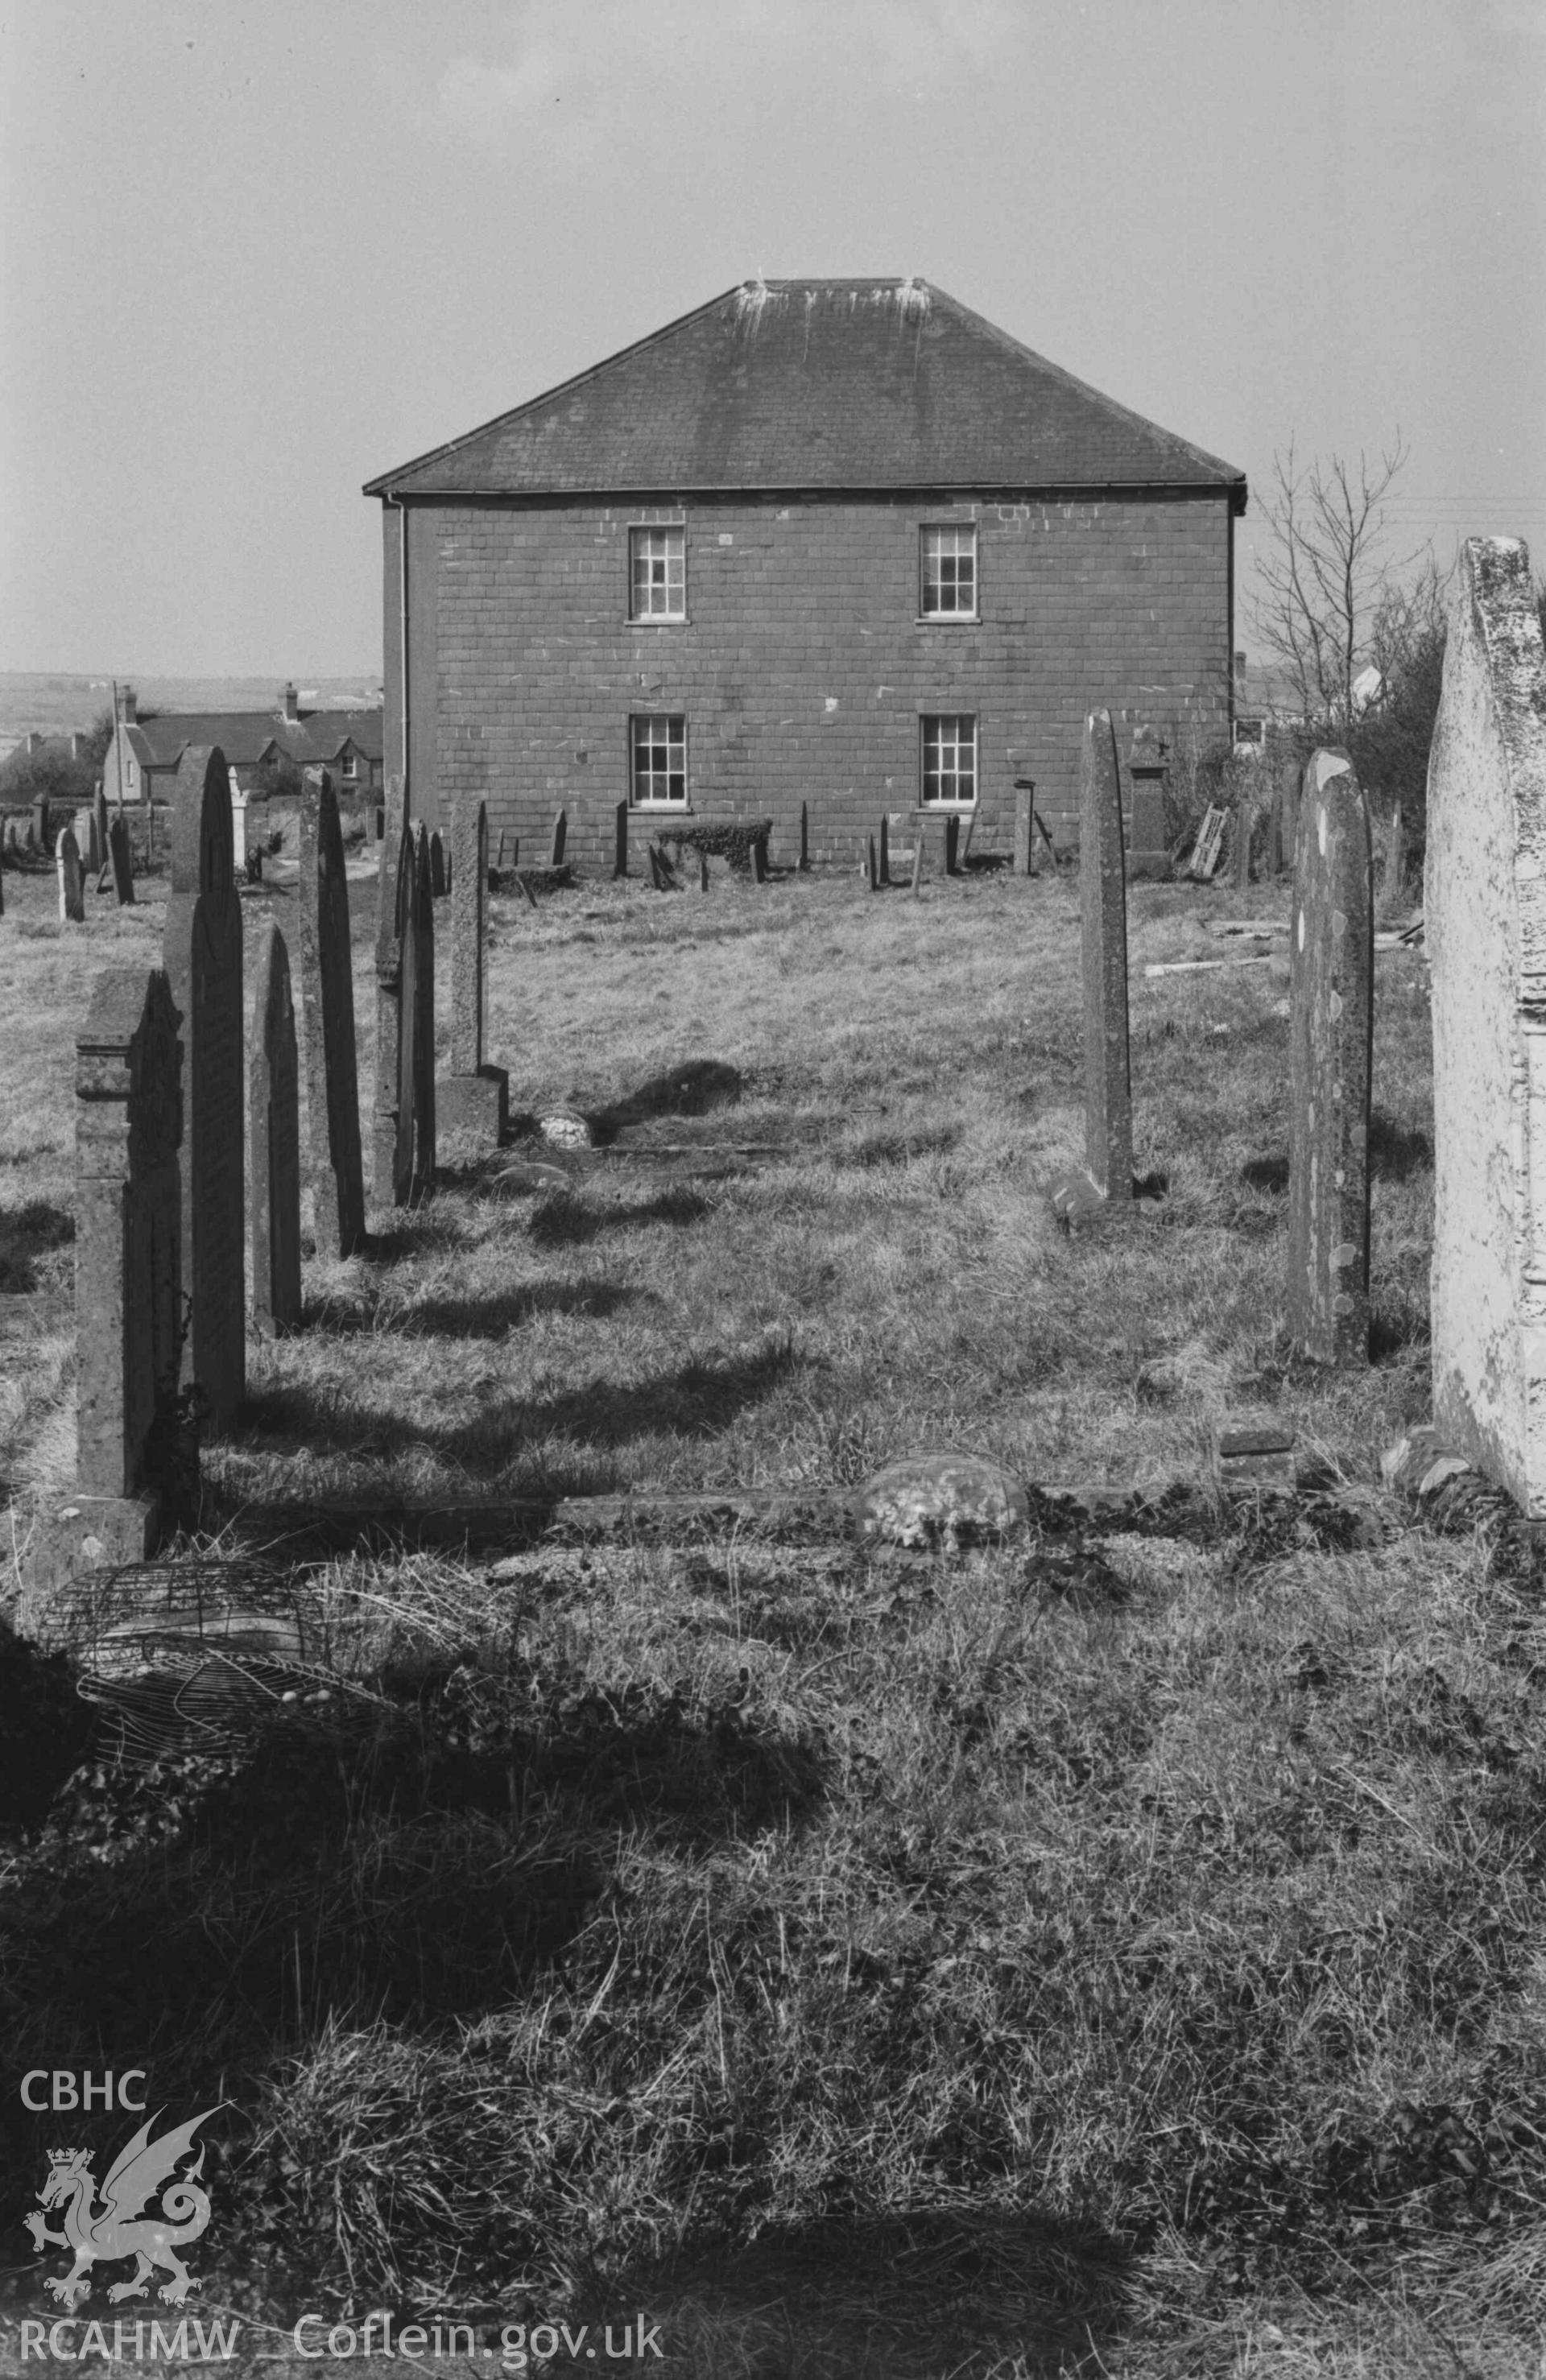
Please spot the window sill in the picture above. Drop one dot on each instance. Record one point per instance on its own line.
(944, 809)
(948, 620)
(664, 620)
(661, 810)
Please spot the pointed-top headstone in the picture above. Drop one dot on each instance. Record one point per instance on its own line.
(202, 947)
(327, 1023)
(274, 1142)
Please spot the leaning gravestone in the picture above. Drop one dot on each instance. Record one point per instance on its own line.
(202, 946)
(1330, 1056)
(394, 862)
(1484, 916)
(474, 1098)
(72, 904)
(273, 1143)
(437, 867)
(334, 1168)
(127, 1274)
(415, 1162)
(117, 853)
(1108, 1093)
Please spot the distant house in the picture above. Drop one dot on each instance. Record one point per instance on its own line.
(149, 750)
(834, 542)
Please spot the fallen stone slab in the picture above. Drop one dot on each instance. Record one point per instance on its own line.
(1254, 1458)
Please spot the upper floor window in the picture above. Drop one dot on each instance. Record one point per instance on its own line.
(950, 760)
(949, 574)
(659, 739)
(657, 574)
(348, 767)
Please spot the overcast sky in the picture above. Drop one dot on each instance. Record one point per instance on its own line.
(256, 251)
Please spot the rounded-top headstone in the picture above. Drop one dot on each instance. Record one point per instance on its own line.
(939, 1499)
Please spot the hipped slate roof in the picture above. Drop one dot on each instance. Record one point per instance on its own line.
(817, 385)
(317, 737)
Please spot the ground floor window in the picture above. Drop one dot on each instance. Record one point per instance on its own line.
(950, 759)
(659, 759)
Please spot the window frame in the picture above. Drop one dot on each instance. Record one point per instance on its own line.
(656, 808)
(657, 619)
(348, 767)
(955, 808)
(926, 530)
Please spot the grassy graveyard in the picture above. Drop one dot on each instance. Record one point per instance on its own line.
(1116, 1953)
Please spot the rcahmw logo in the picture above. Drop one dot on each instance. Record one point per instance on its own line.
(125, 2222)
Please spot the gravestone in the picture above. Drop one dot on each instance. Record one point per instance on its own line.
(1330, 1055)
(1395, 873)
(883, 863)
(620, 840)
(952, 843)
(239, 822)
(42, 826)
(1108, 1094)
(273, 1143)
(415, 1162)
(1149, 853)
(119, 855)
(1290, 779)
(1241, 851)
(702, 871)
(1484, 915)
(202, 949)
(1275, 833)
(560, 836)
(804, 840)
(66, 857)
(437, 867)
(759, 857)
(867, 866)
(475, 1096)
(1025, 827)
(99, 828)
(388, 1182)
(326, 1020)
(127, 1273)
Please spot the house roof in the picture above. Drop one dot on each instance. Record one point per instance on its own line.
(817, 385)
(316, 737)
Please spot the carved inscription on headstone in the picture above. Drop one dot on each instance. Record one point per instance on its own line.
(333, 1167)
(1331, 1049)
(202, 946)
(127, 1225)
(273, 1143)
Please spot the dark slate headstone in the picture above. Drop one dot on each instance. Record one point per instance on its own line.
(872, 875)
(804, 840)
(437, 867)
(416, 1079)
(66, 857)
(952, 843)
(702, 871)
(1331, 1050)
(326, 1025)
(202, 945)
(273, 1143)
(1108, 1092)
(474, 1098)
(883, 869)
(560, 836)
(118, 854)
(1025, 829)
(759, 859)
(1148, 854)
(388, 1176)
(620, 840)
(129, 1203)
(99, 828)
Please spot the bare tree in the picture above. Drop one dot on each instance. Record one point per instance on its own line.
(1325, 571)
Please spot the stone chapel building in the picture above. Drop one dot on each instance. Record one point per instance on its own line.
(835, 542)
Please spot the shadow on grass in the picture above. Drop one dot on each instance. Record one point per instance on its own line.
(1394, 1153)
(26, 1234)
(475, 1318)
(564, 1222)
(908, 2295)
(1265, 1173)
(687, 1090)
(210, 1915)
(44, 1730)
(699, 1400)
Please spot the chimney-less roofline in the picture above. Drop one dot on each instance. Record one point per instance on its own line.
(1017, 492)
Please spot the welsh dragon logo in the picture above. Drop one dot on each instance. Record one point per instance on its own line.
(120, 2227)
